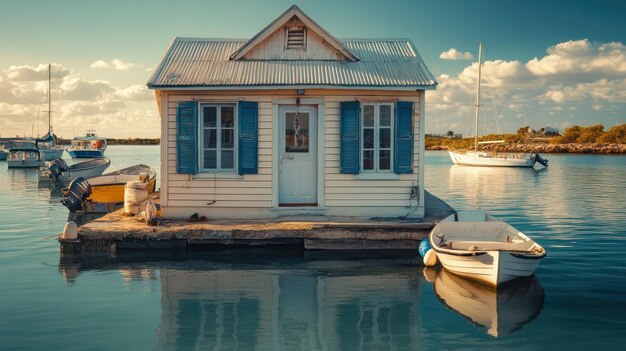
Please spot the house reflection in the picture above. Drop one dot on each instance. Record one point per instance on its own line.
(324, 305)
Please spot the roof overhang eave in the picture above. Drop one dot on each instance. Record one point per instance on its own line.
(432, 86)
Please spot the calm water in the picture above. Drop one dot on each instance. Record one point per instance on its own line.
(260, 299)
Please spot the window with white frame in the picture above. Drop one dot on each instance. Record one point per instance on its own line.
(377, 137)
(217, 137)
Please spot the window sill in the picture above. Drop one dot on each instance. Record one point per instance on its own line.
(211, 176)
(377, 176)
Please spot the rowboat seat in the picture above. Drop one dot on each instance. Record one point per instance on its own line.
(489, 245)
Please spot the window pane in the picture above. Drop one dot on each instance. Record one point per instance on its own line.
(210, 138)
(385, 115)
(368, 138)
(368, 159)
(210, 159)
(227, 159)
(228, 116)
(210, 115)
(384, 138)
(228, 138)
(368, 115)
(384, 162)
(296, 132)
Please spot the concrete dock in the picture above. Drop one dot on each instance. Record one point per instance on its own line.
(113, 232)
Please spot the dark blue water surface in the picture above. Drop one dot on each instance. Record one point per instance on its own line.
(292, 300)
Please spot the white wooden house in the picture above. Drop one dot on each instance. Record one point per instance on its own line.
(292, 121)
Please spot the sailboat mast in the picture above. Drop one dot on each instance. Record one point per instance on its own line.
(477, 110)
(49, 103)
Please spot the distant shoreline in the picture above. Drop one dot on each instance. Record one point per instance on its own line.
(116, 141)
(571, 148)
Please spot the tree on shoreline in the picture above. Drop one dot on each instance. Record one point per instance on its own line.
(592, 134)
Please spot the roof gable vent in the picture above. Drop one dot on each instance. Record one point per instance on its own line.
(295, 38)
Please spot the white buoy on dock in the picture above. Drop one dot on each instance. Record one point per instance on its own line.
(70, 231)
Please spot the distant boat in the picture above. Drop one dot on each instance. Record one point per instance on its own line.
(89, 146)
(105, 193)
(501, 311)
(59, 172)
(4, 153)
(48, 143)
(476, 245)
(492, 159)
(24, 158)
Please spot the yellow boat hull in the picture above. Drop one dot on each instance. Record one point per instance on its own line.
(113, 193)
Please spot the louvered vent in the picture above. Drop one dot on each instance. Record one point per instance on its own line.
(296, 38)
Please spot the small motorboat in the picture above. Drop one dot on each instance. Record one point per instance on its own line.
(24, 158)
(501, 312)
(476, 245)
(105, 193)
(88, 146)
(58, 171)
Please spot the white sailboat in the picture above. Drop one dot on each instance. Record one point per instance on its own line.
(482, 158)
(47, 145)
(476, 245)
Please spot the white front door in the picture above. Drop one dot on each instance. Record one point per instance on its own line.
(297, 155)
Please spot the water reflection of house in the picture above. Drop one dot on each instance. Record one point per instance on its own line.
(278, 309)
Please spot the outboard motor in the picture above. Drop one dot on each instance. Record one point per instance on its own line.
(536, 158)
(56, 168)
(78, 191)
(61, 163)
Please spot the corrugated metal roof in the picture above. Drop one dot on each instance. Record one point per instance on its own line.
(198, 63)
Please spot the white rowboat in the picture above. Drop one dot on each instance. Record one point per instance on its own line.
(476, 245)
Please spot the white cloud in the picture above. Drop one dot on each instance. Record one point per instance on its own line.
(613, 91)
(39, 73)
(116, 64)
(137, 92)
(580, 56)
(573, 74)
(77, 103)
(454, 54)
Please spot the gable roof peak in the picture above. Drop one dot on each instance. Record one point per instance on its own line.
(280, 21)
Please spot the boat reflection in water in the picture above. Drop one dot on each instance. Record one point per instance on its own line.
(244, 301)
(501, 312)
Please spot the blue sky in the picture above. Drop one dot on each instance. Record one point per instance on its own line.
(553, 63)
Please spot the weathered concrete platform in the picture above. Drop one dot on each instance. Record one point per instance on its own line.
(115, 232)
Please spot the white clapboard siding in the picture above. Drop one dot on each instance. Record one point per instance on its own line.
(255, 191)
(250, 190)
(345, 190)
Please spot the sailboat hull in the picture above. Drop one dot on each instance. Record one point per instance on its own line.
(472, 158)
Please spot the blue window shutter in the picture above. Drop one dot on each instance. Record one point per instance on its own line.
(248, 115)
(350, 131)
(403, 157)
(186, 137)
